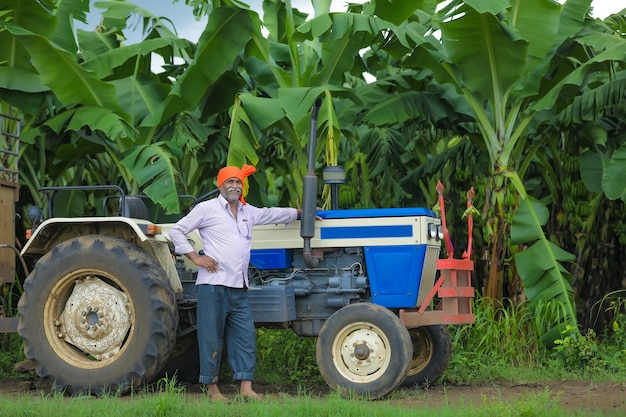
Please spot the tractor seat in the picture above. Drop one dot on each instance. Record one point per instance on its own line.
(135, 208)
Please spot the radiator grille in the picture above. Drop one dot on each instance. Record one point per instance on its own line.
(428, 273)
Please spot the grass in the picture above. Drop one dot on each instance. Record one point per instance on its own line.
(176, 404)
(505, 343)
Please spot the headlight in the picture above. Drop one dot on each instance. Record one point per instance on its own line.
(440, 232)
(432, 230)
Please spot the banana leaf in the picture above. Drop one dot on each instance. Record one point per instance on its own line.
(153, 168)
(224, 38)
(540, 267)
(71, 83)
(614, 175)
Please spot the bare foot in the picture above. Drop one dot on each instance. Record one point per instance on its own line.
(247, 392)
(251, 395)
(215, 394)
(218, 397)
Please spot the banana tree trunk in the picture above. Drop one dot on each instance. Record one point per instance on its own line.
(497, 231)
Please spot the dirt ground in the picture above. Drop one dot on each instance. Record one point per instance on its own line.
(608, 397)
(570, 395)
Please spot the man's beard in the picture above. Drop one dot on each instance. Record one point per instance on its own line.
(230, 198)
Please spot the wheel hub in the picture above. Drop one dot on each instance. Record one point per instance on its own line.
(96, 318)
(362, 352)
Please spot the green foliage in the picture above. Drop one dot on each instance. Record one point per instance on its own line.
(11, 347)
(168, 385)
(155, 171)
(579, 353)
(616, 331)
(506, 343)
(10, 294)
(169, 397)
(11, 352)
(534, 404)
(613, 178)
(109, 96)
(284, 357)
(540, 267)
(72, 83)
(592, 353)
(478, 351)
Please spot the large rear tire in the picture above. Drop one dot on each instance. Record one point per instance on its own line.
(364, 349)
(98, 315)
(432, 349)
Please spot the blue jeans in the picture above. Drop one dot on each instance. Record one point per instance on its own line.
(224, 315)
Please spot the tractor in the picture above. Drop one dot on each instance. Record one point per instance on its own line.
(109, 306)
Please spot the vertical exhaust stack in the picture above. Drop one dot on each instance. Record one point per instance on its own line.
(309, 194)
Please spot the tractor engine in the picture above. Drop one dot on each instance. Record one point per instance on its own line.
(281, 285)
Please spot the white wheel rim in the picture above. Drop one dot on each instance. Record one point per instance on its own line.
(361, 352)
(62, 319)
(96, 318)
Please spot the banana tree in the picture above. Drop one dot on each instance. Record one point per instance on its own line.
(302, 60)
(490, 53)
(108, 99)
(298, 62)
(503, 58)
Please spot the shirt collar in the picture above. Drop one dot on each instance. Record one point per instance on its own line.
(224, 203)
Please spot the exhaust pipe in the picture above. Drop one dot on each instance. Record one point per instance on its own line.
(309, 194)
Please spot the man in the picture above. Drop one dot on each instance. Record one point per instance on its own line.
(224, 315)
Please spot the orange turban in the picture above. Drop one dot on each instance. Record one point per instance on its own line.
(234, 172)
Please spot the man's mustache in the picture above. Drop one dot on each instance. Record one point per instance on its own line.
(234, 189)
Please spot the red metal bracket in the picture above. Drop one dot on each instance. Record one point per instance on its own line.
(455, 289)
(454, 286)
(446, 234)
(470, 223)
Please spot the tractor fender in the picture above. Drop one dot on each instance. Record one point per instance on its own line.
(59, 229)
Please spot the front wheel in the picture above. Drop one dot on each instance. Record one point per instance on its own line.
(97, 315)
(432, 348)
(364, 349)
